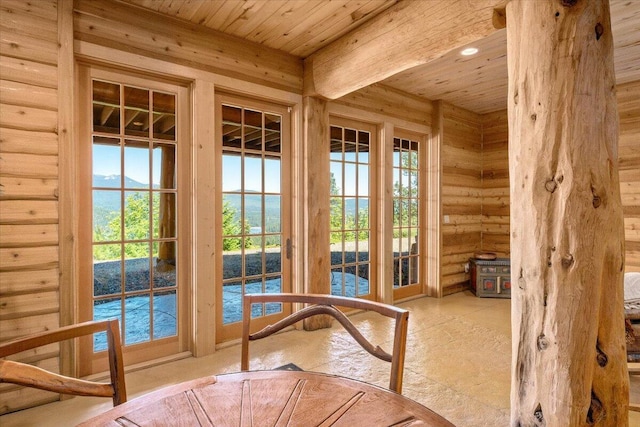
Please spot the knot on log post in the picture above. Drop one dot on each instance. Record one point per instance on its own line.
(601, 357)
(543, 342)
(550, 186)
(569, 3)
(538, 415)
(567, 260)
(599, 31)
(596, 412)
(597, 200)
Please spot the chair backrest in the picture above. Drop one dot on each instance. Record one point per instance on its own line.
(32, 376)
(326, 304)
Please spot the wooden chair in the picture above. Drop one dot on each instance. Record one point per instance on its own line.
(326, 304)
(32, 376)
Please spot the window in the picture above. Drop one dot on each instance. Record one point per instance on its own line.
(351, 209)
(256, 251)
(131, 255)
(406, 217)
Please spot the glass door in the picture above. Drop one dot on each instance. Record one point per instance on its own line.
(254, 225)
(352, 216)
(130, 257)
(407, 244)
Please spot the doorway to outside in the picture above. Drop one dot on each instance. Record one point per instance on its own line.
(133, 216)
(254, 228)
(408, 263)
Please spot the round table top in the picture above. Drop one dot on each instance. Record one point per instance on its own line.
(271, 398)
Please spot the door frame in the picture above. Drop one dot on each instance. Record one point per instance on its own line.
(230, 332)
(88, 361)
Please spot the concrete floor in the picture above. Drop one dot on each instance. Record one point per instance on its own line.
(457, 363)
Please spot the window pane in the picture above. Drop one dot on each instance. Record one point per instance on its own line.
(164, 315)
(272, 133)
(102, 310)
(106, 215)
(106, 107)
(337, 281)
(164, 166)
(349, 179)
(273, 214)
(231, 172)
(231, 126)
(253, 213)
(164, 215)
(107, 269)
(252, 130)
(232, 262)
(232, 302)
(136, 111)
(136, 267)
(272, 175)
(136, 215)
(273, 255)
(253, 257)
(164, 271)
(137, 319)
(164, 116)
(336, 178)
(106, 162)
(253, 174)
(136, 164)
(363, 246)
(363, 180)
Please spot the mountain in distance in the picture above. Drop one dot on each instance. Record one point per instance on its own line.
(113, 181)
(253, 206)
(107, 201)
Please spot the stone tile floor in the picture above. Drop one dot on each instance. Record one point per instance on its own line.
(457, 363)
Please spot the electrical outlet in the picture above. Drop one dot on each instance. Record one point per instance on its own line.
(446, 219)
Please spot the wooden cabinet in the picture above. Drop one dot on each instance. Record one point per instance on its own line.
(491, 278)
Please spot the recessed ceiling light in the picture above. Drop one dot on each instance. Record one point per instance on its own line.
(469, 51)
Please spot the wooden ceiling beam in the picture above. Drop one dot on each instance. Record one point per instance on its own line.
(408, 34)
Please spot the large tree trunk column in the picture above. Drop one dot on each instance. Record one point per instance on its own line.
(567, 236)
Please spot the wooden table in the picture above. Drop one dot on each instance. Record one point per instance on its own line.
(271, 398)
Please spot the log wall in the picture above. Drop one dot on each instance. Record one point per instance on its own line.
(29, 242)
(495, 176)
(629, 169)
(495, 184)
(461, 194)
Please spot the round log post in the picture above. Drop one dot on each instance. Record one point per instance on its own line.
(567, 233)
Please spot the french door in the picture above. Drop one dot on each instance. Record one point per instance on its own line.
(352, 212)
(133, 216)
(408, 259)
(253, 229)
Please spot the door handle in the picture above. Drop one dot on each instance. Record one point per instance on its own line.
(288, 249)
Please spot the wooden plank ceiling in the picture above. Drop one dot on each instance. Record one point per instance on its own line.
(301, 27)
